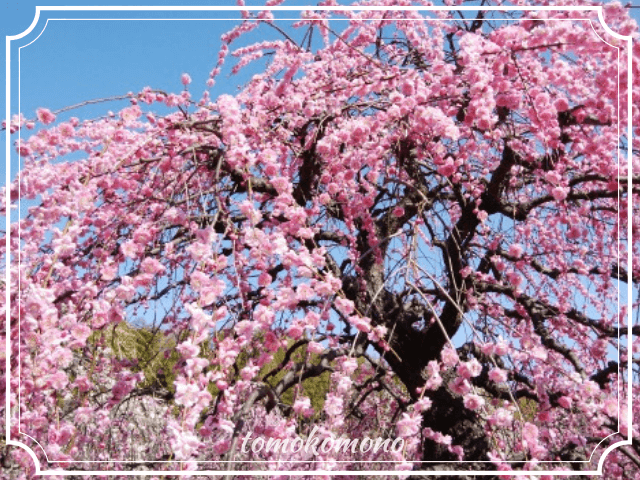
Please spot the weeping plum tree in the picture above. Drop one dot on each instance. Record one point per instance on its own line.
(425, 209)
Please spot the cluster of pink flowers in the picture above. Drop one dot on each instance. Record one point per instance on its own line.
(259, 236)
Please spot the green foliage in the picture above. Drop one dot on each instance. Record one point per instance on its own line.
(153, 353)
(529, 408)
(315, 388)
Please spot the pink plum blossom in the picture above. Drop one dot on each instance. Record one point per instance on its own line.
(45, 116)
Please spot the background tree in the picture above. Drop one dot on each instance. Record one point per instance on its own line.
(426, 211)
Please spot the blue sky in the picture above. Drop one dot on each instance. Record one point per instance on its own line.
(64, 62)
(76, 60)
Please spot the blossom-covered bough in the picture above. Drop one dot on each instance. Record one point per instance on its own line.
(428, 208)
